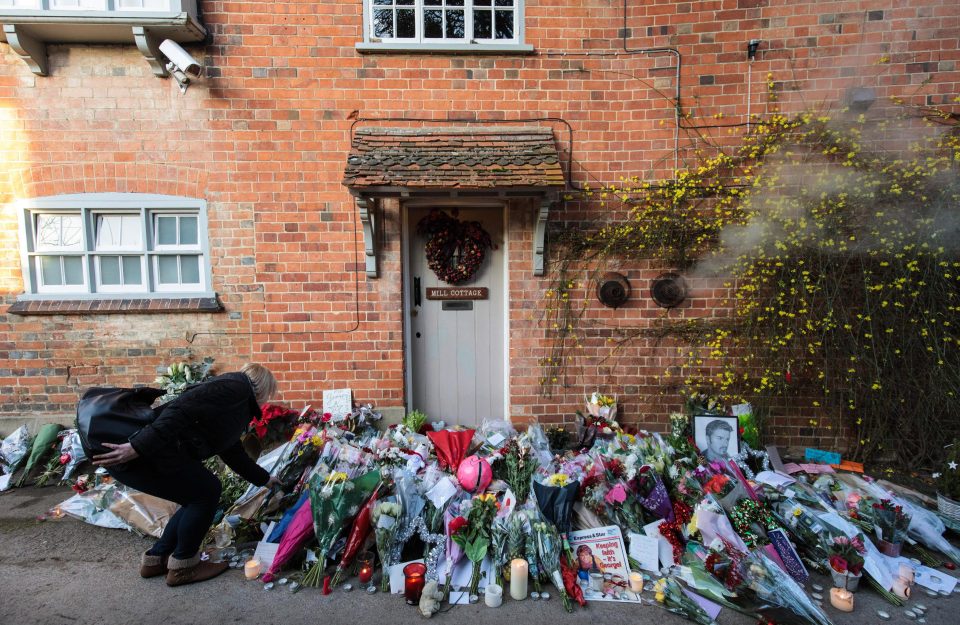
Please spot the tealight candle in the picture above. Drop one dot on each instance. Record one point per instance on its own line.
(493, 595)
(841, 599)
(901, 588)
(518, 579)
(252, 568)
(365, 573)
(636, 582)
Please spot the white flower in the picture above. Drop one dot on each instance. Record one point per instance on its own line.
(952, 465)
(936, 476)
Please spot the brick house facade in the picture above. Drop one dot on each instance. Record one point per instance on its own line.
(262, 141)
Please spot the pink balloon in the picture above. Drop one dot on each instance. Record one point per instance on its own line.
(475, 474)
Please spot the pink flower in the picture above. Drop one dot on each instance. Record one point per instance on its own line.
(617, 494)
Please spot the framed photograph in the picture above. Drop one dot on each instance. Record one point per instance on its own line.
(717, 437)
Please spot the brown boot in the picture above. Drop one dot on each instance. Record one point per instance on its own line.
(192, 570)
(152, 566)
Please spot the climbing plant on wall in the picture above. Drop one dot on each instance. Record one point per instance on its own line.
(838, 241)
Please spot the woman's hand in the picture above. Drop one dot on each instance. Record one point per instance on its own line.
(273, 482)
(120, 454)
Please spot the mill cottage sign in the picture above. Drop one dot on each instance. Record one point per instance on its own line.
(457, 293)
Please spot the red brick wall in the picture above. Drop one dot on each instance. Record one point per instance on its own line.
(263, 140)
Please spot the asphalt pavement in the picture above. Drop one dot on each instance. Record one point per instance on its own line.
(64, 572)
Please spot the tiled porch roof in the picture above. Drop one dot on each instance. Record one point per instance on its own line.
(454, 158)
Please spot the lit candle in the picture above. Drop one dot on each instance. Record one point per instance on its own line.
(413, 581)
(518, 579)
(901, 588)
(907, 572)
(366, 567)
(493, 595)
(252, 568)
(636, 582)
(841, 599)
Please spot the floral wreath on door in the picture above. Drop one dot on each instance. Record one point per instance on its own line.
(455, 249)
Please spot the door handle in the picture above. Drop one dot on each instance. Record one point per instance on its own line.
(416, 292)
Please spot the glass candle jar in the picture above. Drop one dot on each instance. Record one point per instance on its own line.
(365, 570)
(414, 577)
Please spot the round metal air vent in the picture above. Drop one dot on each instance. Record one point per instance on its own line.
(613, 290)
(668, 289)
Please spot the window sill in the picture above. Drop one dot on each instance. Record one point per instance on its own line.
(442, 48)
(32, 305)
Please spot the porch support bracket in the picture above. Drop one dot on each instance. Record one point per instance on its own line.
(368, 220)
(31, 50)
(149, 46)
(540, 235)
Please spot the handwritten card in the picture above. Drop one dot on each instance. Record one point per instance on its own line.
(666, 550)
(339, 403)
(646, 551)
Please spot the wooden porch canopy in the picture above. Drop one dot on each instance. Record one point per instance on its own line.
(453, 162)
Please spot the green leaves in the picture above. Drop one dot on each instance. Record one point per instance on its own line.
(477, 550)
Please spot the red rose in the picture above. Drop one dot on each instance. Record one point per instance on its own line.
(64, 458)
(326, 417)
(456, 524)
(838, 564)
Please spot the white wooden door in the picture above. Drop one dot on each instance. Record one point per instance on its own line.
(457, 347)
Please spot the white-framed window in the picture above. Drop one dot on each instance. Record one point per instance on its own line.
(115, 244)
(78, 5)
(158, 6)
(444, 22)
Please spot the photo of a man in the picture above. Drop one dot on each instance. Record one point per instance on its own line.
(716, 437)
(587, 562)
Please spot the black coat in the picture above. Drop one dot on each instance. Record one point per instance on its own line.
(206, 420)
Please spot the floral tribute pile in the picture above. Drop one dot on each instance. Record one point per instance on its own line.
(481, 508)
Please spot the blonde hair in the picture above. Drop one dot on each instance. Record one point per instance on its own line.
(264, 384)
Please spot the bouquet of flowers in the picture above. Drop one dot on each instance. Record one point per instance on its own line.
(386, 515)
(652, 493)
(760, 586)
(474, 537)
(547, 540)
(845, 555)
(274, 425)
(357, 537)
(600, 420)
(335, 500)
(308, 443)
(725, 489)
(520, 464)
(531, 517)
(669, 593)
(680, 438)
(888, 517)
(603, 409)
(454, 524)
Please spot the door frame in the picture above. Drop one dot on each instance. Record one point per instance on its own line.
(451, 202)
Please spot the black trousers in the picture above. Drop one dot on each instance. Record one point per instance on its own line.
(184, 481)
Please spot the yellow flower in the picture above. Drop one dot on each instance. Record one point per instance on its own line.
(660, 597)
(558, 479)
(337, 476)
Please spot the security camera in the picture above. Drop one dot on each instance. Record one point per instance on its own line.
(181, 64)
